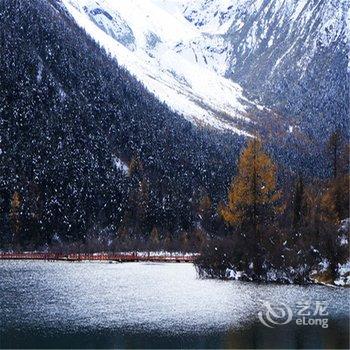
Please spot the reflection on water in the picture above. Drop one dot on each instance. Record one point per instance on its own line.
(140, 305)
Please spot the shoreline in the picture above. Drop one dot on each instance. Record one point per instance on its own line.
(102, 257)
(315, 278)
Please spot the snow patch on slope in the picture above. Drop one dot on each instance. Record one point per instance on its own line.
(120, 165)
(262, 24)
(314, 23)
(146, 38)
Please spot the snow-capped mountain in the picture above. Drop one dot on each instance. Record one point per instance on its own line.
(292, 55)
(169, 55)
(253, 25)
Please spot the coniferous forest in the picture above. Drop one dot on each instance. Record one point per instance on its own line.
(92, 161)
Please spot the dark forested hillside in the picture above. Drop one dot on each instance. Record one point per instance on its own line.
(84, 148)
(88, 154)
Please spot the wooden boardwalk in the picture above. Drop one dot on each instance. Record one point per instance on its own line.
(117, 257)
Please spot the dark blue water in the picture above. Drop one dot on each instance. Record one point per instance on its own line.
(143, 305)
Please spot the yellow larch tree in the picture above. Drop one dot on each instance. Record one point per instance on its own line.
(253, 194)
(253, 198)
(15, 213)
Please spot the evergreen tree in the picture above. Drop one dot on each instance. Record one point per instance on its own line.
(335, 201)
(334, 146)
(205, 212)
(154, 236)
(299, 203)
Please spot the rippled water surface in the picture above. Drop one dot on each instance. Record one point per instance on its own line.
(140, 305)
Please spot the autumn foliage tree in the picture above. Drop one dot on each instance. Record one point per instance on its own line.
(15, 215)
(253, 199)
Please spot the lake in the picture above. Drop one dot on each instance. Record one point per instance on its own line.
(165, 305)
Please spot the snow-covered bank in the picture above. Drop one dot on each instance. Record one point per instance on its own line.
(288, 276)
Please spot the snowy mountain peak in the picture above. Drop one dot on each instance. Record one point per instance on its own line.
(172, 57)
(192, 53)
(260, 23)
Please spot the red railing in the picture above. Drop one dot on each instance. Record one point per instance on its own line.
(121, 257)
